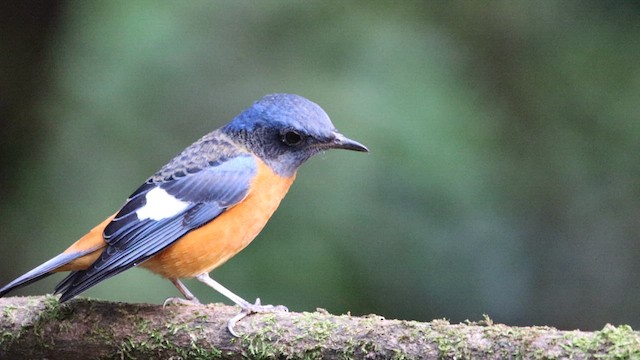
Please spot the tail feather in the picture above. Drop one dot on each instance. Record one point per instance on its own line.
(42, 271)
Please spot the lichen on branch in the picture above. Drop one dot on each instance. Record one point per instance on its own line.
(40, 327)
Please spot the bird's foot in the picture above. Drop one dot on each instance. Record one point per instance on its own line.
(249, 309)
(180, 301)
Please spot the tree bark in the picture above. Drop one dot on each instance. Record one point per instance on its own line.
(40, 327)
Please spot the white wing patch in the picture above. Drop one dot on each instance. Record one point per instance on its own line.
(160, 205)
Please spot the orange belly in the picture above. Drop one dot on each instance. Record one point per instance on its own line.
(208, 247)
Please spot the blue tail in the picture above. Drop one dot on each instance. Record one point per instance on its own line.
(42, 271)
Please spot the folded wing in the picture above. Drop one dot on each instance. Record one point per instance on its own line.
(160, 212)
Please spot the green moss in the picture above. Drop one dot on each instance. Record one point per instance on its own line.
(41, 313)
(260, 345)
(52, 312)
(9, 312)
(263, 344)
(149, 339)
(399, 355)
(319, 328)
(318, 332)
(486, 321)
(257, 348)
(450, 341)
(616, 342)
(100, 335)
(6, 339)
(348, 351)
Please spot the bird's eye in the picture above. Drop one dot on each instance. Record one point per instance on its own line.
(291, 138)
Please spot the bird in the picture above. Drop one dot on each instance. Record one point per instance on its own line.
(204, 206)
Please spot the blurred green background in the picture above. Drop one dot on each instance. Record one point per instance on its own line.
(503, 178)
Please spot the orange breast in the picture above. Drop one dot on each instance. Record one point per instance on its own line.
(209, 246)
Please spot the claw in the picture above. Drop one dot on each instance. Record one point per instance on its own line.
(180, 301)
(232, 322)
(256, 307)
(247, 308)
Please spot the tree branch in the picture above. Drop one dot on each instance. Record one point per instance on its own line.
(39, 327)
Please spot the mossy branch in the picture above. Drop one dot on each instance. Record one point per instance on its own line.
(39, 327)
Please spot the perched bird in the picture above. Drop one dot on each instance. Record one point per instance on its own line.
(205, 205)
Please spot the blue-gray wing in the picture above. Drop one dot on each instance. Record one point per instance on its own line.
(160, 212)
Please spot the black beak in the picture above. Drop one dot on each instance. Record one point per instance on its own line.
(342, 142)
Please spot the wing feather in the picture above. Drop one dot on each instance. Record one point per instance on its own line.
(207, 192)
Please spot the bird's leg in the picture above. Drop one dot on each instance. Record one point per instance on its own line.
(189, 298)
(247, 307)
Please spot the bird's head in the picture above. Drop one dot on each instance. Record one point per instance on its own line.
(285, 130)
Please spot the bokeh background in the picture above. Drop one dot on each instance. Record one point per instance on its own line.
(503, 177)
